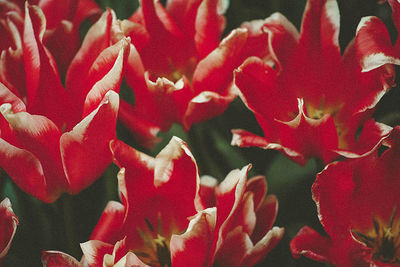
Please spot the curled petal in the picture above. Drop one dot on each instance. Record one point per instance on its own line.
(8, 224)
(311, 244)
(244, 138)
(373, 44)
(6, 96)
(59, 259)
(94, 252)
(259, 251)
(204, 106)
(258, 186)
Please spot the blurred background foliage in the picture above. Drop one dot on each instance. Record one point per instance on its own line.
(70, 220)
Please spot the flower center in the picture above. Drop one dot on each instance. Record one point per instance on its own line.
(383, 239)
(175, 73)
(156, 250)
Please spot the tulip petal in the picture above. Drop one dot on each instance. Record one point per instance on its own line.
(214, 72)
(373, 44)
(259, 251)
(142, 131)
(197, 239)
(6, 96)
(244, 138)
(8, 224)
(41, 137)
(96, 40)
(41, 71)
(89, 142)
(110, 223)
(209, 25)
(106, 78)
(311, 244)
(94, 252)
(204, 106)
(59, 259)
(266, 215)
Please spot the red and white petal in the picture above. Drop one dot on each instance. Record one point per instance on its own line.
(209, 25)
(233, 249)
(309, 137)
(41, 71)
(204, 106)
(59, 259)
(107, 71)
(96, 40)
(244, 138)
(215, 72)
(260, 250)
(8, 224)
(283, 38)
(266, 216)
(6, 96)
(130, 260)
(373, 44)
(85, 149)
(229, 194)
(24, 169)
(320, 29)
(195, 244)
(94, 252)
(258, 186)
(332, 192)
(208, 185)
(157, 20)
(41, 138)
(11, 60)
(109, 226)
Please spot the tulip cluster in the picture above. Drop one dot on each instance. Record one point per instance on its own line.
(67, 93)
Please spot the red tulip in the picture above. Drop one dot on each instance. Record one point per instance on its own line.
(55, 140)
(178, 67)
(357, 202)
(236, 229)
(168, 218)
(63, 19)
(309, 100)
(8, 226)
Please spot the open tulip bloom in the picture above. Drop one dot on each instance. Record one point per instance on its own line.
(55, 140)
(310, 100)
(160, 224)
(357, 202)
(178, 67)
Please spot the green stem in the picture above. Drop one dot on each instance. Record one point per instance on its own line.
(69, 226)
